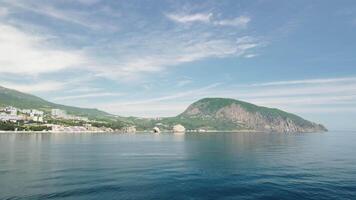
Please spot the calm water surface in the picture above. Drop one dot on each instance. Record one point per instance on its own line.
(167, 166)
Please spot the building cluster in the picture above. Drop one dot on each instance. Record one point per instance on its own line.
(33, 117)
(13, 114)
(29, 116)
(62, 114)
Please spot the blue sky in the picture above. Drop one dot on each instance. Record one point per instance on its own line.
(153, 58)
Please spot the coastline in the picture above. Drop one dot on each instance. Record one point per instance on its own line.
(138, 132)
(145, 132)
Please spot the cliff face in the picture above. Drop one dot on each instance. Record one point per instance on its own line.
(248, 116)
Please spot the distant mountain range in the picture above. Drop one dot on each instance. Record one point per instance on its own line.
(205, 114)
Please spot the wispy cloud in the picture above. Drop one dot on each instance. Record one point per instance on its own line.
(303, 96)
(89, 95)
(157, 106)
(85, 19)
(45, 86)
(165, 53)
(48, 85)
(250, 55)
(307, 81)
(124, 58)
(25, 53)
(208, 18)
(300, 96)
(305, 100)
(189, 18)
(241, 21)
(189, 93)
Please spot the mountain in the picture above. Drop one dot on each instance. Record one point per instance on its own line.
(9, 97)
(231, 114)
(208, 114)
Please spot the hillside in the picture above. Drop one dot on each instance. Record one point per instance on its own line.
(231, 114)
(9, 97)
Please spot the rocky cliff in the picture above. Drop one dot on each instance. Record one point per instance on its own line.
(242, 115)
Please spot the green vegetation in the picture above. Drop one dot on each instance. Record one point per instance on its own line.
(209, 106)
(115, 125)
(9, 97)
(9, 126)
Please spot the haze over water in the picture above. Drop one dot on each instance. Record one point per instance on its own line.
(167, 166)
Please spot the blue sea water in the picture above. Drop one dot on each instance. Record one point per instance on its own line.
(192, 166)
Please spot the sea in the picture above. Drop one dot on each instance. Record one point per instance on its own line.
(145, 166)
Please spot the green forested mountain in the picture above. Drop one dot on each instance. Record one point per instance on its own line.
(9, 97)
(231, 114)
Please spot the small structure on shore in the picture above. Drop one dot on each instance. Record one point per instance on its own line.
(178, 128)
(129, 129)
(156, 130)
(202, 130)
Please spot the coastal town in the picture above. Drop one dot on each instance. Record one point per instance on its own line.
(57, 120)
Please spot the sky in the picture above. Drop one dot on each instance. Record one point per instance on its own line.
(154, 58)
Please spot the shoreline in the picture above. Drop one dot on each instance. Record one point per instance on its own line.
(138, 132)
(142, 132)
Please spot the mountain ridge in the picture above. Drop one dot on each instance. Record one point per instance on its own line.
(250, 116)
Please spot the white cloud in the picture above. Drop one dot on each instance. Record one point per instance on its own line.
(241, 21)
(295, 90)
(189, 18)
(208, 18)
(320, 109)
(167, 53)
(250, 55)
(307, 81)
(50, 11)
(146, 53)
(24, 53)
(89, 95)
(306, 100)
(45, 86)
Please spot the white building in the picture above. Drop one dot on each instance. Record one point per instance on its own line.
(58, 113)
(37, 118)
(11, 110)
(9, 117)
(35, 115)
(37, 112)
